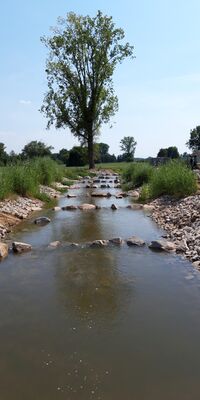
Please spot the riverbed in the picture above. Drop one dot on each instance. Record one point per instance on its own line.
(112, 323)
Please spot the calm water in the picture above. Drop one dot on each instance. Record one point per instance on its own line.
(110, 324)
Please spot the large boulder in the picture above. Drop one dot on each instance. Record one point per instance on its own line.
(42, 220)
(86, 207)
(20, 247)
(3, 250)
(135, 241)
(162, 245)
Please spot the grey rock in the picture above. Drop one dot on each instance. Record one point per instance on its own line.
(99, 243)
(42, 220)
(114, 207)
(69, 208)
(86, 207)
(162, 245)
(117, 241)
(20, 247)
(135, 241)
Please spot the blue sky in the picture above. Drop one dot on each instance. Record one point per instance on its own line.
(159, 91)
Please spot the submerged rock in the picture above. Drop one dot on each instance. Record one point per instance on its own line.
(70, 196)
(135, 241)
(42, 220)
(3, 251)
(20, 247)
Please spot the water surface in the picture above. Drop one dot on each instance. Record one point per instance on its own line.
(112, 324)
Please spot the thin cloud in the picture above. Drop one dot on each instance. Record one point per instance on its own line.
(25, 102)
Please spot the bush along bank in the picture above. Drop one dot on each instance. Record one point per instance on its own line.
(174, 179)
(171, 190)
(24, 188)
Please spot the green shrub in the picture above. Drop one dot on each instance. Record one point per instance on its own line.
(137, 174)
(145, 193)
(24, 178)
(174, 179)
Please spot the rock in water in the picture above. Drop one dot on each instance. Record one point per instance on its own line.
(135, 241)
(116, 241)
(55, 244)
(162, 245)
(3, 250)
(114, 207)
(99, 243)
(42, 221)
(19, 247)
(69, 208)
(86, 207)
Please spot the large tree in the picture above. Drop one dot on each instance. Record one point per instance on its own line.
(128, 146)
(83, 54)
(194, 141)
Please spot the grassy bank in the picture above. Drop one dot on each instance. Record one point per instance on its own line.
(24, 178)
(173, 178)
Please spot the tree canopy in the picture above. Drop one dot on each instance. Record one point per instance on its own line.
(170, 152)
(194, 141)
(83, 54)
(128, 146)
(36, 149)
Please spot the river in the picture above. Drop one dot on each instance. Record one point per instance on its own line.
(115, 323)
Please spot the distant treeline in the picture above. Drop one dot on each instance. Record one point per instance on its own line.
(77, 156)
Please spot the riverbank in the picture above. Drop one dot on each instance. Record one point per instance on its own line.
(181, 221)
(16, 209)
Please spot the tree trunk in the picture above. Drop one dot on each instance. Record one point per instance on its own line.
(91, 151)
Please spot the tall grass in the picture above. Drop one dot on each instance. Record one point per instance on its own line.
(24, 178)
(137, 174)
(174, 179)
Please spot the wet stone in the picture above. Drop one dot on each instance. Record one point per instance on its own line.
(3, 251)
(20, 247)
(135, 241)
(42, 220)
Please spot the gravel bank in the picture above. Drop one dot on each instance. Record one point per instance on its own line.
(181, 221)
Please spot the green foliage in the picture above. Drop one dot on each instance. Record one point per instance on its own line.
(137, 174)
(3, 154)
(36, 149)
(78, 156)
(84, 53)
(170, 152)
(25, 177)
(194, 141)
(173, 178)
(145, 193)
(128, 146)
